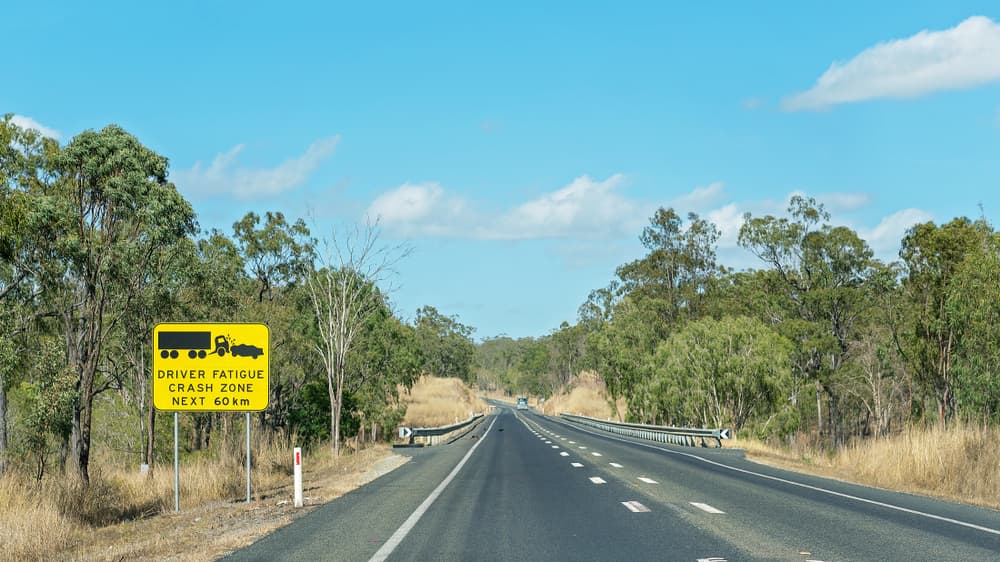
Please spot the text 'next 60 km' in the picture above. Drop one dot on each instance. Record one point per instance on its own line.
(210, 367)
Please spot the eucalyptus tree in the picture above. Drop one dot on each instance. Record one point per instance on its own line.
(677, 270)
(344, 293)
(26, 169)
(115, 211)
(278, 255)
(933, 256)
(385, 358)
(567, 344)
(732, 372)
(619, 350)
(824, 275)
(972, 304)
(446, 343)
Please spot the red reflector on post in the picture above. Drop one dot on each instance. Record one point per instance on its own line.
(298, 458)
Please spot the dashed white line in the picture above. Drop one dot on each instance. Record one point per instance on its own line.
(614, 464)
(572, 442)
(647, 480)
(806, 486)
(597, 480)
(595, 453)
(564, 454)
(582, 447)
(555, 446)
(707, 508)
(635, 507)
(576, 464)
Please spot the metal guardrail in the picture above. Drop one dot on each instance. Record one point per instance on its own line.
(692, 437)
(433, 433)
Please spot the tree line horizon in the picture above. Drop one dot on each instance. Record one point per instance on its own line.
(97, 246)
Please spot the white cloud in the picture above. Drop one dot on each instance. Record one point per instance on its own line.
(421, 210)
(29, 123)
(585, 208)
(699, 197)
(225, 175)
(838, 202)
(963, 56)
(588, 213)
(728, 219)
(885, 237)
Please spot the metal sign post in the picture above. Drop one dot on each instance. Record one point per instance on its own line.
(177, 471)
(248, 457)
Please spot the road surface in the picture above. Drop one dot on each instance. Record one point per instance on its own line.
(526, 487)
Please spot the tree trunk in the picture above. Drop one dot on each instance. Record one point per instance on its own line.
(150, 453)
(334, 392)
(3, 426)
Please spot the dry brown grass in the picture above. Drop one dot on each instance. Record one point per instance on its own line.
(32, 525)
(435, 401)
(959, 463)
(58, 518)
(585, 394)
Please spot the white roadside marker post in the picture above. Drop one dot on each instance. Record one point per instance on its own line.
(297, 475)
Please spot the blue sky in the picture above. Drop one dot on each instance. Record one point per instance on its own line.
(520, 148)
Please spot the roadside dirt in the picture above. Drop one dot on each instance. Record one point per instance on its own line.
(209, 531)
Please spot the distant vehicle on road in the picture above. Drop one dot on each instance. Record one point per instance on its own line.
(522, 403)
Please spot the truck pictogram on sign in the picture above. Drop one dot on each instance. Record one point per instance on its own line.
(199, 345)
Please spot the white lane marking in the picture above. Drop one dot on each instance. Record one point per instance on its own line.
(712, 559)
(576, 464)
(647, 480)
(597, 480)
(707, 508)
(564, 454)
(635, 507)
(595, 453)
(614, 464)
(801, 485)
(582, 447)
(572, 442)
(555, 446)
(407, 525)
(562, 438)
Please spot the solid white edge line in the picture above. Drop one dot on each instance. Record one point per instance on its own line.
(397, 537)
(800, 485)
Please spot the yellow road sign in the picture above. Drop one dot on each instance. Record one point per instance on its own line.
(210, 367)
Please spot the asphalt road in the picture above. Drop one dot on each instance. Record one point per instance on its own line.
(526, 487)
